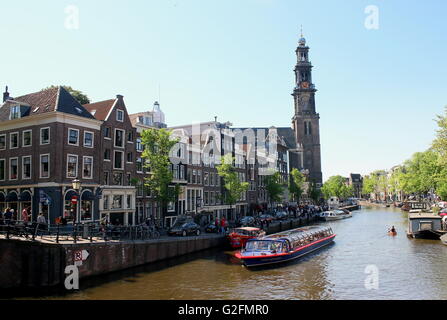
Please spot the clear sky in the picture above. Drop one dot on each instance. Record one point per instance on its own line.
(379, 90)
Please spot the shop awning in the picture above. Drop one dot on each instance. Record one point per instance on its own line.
(25, 197)
(88, 196)
(70, 194)
(11, 197)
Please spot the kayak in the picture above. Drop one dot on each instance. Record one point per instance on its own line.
(393, 234)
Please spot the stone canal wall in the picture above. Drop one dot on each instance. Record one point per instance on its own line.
(26, 264)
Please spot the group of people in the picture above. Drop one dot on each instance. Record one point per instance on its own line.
(221, 224)
(9, 217)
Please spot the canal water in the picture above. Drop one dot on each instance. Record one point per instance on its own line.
(406, 269)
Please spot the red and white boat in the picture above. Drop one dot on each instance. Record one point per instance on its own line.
(238, 237)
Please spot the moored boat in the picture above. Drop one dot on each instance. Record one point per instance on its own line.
(238, 237)
(285, 246)
(335, 215)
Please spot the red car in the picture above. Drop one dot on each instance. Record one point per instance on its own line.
(238, 237)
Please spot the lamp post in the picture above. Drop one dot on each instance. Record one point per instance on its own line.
(76, 184)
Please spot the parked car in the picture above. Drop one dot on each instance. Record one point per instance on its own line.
(266, 217)
(212, 228)
(281, 215)
(185, 229)
(247, 221)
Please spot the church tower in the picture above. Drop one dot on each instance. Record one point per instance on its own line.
(306, 121)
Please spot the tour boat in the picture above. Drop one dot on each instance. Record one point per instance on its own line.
(285, 246)
(238, 237)
(335, 215)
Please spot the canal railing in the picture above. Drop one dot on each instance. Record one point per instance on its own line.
(76, 232)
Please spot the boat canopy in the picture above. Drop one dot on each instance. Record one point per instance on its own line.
(299, 234)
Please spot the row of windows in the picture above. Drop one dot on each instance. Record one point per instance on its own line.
(120, 136)
(209, 178)
(72, 167)
(13, 172)
(27, 139)
(73, 138)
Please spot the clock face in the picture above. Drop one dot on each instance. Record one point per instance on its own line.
(305, 85)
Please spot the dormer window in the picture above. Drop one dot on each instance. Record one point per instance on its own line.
(15, 112)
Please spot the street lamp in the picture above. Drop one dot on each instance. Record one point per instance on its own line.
(77, 187)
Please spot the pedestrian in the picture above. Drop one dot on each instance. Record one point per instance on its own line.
(42, 221)
(25, 216)
(8, 215)
(222, 225)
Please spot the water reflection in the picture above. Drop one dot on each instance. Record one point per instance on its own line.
(408, 269)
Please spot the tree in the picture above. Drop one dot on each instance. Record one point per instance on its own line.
(232, 183)
(78, 95)
(440, 143)
(157, 146)
(296, 184)
(336, 187)
(314, 193)
(274, 187)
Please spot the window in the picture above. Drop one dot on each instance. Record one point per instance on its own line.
(130, 157)
(139, 165)
(14, 140)
(13, 168)
(194, 173)
(139, 145)
(199, 176)
(118, 178)
(129, 202)
(3, 142)
(106, 202)
(26, 167)
(15, 112)
(130, 136)
(107, 155)
(2, 169)
(73, 137)
(120, 115)
(88, 139)
(44, 166)
(107, 133)
(87, 168)
(206, 179)
(118, 160)
(119, 138)
(44, 136)
(129, 179)
(106, 178)
(117, 202)
(72, 166)
(27, 137)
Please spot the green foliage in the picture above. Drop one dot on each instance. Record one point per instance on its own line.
(296, 184)
(274, 187)
(314, 193)
(336, 187)
(157, 146)
(235, 188)
(78, 95)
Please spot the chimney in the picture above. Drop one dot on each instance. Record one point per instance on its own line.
(119, 97)
(5, 94)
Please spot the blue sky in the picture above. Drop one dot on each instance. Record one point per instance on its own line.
(379, 90)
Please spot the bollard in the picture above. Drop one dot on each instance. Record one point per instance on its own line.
(58, 231)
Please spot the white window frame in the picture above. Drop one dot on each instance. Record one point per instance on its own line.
(23, 138)
(68, 138)
(10, 171)
(49, 166)
(124, 139)
(77, 166)
(122, 160)
(83, 163)
(10, 140)
(42, 143)
(4, 135)
(30, 169)
(118, 111)
(93, 139)
(110, 130)
(4, 166)
(129, 162)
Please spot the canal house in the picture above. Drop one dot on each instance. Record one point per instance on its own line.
(47, 141)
